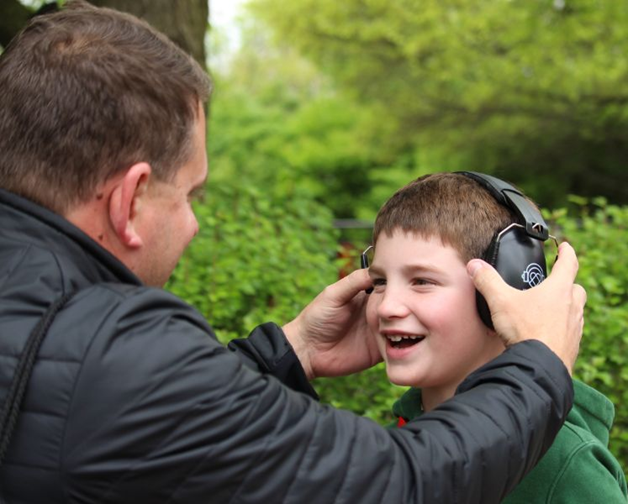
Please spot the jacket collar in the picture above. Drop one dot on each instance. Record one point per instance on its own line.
(23, 220)
(409, 405)
(592, 411)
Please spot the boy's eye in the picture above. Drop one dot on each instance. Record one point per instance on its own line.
(422, 281)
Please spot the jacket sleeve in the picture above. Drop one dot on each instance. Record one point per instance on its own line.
(267, 346)
(267, 351)
(163, 413)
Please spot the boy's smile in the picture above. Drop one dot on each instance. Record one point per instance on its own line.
(399, 343)
(423, 309)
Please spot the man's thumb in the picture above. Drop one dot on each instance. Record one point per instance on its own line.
(484, 276)
(345, 290)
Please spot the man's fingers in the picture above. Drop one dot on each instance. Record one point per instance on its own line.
(557, 306)
(566, 266)
(580, 295)
(347, 288)
(487, 280)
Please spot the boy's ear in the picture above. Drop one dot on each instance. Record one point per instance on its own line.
(125, 203)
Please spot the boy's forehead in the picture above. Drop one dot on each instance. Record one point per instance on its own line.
(393, 239)
(419, 237)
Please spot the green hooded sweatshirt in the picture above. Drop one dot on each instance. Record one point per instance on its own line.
(577, 469)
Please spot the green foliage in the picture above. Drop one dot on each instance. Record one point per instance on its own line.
(598, 232)
(283, 137)
(266, 247)
(293, 128)
(266, 244)
(535, 91)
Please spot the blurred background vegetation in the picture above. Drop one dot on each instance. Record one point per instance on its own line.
(324, 108)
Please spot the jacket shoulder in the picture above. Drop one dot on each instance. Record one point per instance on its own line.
(577, 469)
(105, 305)
(590, 474)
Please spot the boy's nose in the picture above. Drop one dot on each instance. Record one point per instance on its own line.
(392, 304)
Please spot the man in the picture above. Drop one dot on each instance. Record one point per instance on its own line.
(131, 398)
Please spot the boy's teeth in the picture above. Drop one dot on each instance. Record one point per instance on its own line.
(397, 338)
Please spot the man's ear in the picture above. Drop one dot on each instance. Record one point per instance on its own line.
(125, 202)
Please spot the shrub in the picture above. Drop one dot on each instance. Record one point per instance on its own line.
(598, 232)
(256, 258)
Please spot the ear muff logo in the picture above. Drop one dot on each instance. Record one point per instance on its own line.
(533, 275)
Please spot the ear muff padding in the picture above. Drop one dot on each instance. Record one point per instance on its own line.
(520, 261)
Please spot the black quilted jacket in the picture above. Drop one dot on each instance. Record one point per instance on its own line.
(133, 400)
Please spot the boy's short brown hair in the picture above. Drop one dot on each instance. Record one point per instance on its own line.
(451, 206)
(87, 92)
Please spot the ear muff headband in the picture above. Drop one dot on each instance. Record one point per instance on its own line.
(507, 195)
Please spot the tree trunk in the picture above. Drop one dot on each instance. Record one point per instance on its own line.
(183, 21)
(13, 17)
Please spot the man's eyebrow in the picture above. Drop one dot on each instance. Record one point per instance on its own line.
(198, 190)
(200, 185)
(203, 182)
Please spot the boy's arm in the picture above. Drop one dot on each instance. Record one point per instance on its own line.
(268, 351)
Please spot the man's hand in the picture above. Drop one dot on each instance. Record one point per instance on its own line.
(551, 312)
(331, 336)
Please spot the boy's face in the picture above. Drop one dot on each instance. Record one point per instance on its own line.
(423, 310)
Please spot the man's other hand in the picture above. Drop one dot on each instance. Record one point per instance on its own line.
(331, 336)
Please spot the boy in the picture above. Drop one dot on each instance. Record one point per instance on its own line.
(423, 309)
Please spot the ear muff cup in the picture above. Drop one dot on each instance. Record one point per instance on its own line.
(520, 261)
(516, 252)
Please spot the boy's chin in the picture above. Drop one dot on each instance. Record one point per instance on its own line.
(402, 381)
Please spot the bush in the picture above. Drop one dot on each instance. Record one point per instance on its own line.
(256, 258)
(598, 232)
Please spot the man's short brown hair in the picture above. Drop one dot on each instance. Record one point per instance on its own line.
(84, 94)
(450, 206)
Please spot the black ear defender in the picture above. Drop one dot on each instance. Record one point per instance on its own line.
(517, 251)
(364, 264)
